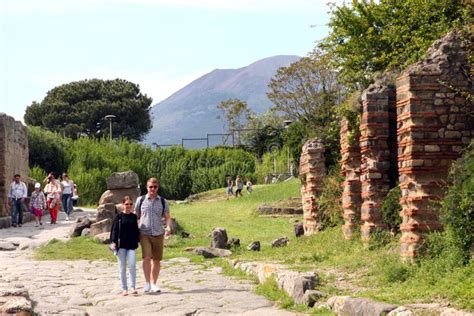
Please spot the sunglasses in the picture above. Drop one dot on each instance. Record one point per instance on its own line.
(153, 187)
(128, 204)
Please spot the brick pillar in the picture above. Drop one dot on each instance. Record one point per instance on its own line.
(350, 170)
(375, 155)
(312, 171)
(433, 127)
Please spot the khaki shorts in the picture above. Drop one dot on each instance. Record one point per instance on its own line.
(152, 246)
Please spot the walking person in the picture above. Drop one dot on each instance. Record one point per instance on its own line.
(240, 186)
(249, 186)
(67, 186)
(17, 194)
(124, 238)
(38, 204)
(150, 209)
(53, 196)
(230, 186)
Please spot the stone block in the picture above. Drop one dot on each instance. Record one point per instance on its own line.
(122, 180)
(103, 226)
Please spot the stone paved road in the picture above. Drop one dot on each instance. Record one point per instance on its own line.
(93, 287)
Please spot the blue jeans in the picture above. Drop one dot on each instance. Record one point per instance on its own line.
(17, 212)
(130, 255)
(67, 203)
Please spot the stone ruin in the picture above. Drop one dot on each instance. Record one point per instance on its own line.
(119, 184)
(410, 132)
(312, 171)
(13, 157)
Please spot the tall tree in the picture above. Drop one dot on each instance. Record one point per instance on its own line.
(369, 36)
(235, 113)
(307, 91)
(80, 108)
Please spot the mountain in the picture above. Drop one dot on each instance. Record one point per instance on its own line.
(192, 111)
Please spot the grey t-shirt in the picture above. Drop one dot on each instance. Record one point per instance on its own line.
(150, 215)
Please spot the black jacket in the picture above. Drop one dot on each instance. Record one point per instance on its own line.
(125, 233)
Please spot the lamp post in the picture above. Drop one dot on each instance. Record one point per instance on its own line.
(287, 123)
(110, 118)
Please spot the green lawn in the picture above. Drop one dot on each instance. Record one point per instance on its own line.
(346, 267)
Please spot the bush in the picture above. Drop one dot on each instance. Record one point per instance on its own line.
(47, 150)
(330, 204)
(458, 205)
(391, 209)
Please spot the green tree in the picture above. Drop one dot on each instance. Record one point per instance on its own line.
(80, 107)
(235, 113)
(307, 91)
(370, 36)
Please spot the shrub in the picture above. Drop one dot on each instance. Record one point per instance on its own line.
(458, 204)
(391, 209)
(330, 207)
(47, 150)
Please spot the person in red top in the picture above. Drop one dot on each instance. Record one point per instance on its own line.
(53, 195)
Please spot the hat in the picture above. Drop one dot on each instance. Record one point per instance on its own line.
(37, 185)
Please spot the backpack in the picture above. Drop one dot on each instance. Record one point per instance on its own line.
(142, 198)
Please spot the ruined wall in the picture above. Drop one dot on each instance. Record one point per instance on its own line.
(13, 156)
(377, 103)
(416, 143)
(433, 127)
(312, 171)
(350, 170)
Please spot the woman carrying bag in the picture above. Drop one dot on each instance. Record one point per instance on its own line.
(124, 239)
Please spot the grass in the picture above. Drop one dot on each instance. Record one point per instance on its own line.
(345, 267)
(83, 248)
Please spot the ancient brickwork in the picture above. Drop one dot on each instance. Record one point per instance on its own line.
(415, 144)
(312, 171)
(13, 156)
(350, 170)
(433, 127)
(375, 154)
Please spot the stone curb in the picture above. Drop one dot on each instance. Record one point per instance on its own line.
(300, 286)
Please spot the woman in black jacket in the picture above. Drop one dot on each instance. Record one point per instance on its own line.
(124, 239)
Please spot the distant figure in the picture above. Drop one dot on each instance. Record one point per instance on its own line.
(53, 196)
(75, 195)
(292, 168)
(124, 239)
(230, 186)
(17, 194)
(67, 186)
(249, 187)
(240, 186)
(37, 204)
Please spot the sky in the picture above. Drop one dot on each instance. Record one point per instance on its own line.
(161, 45)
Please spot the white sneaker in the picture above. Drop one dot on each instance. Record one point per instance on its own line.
(146, 287)
(155, 288)
(67, 218)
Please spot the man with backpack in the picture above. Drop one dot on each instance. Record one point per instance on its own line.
(150, 210)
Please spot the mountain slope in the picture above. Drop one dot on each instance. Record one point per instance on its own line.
(192, 111)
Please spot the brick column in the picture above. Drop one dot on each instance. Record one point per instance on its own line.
(350, 170)
(375, 155)
(312, 171)
(433, 127)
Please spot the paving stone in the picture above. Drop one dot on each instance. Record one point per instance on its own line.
(85, 287)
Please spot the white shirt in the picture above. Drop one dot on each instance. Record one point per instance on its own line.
(18, 190)
(67, 186)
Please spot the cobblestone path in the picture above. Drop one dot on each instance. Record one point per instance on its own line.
(92, 287)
